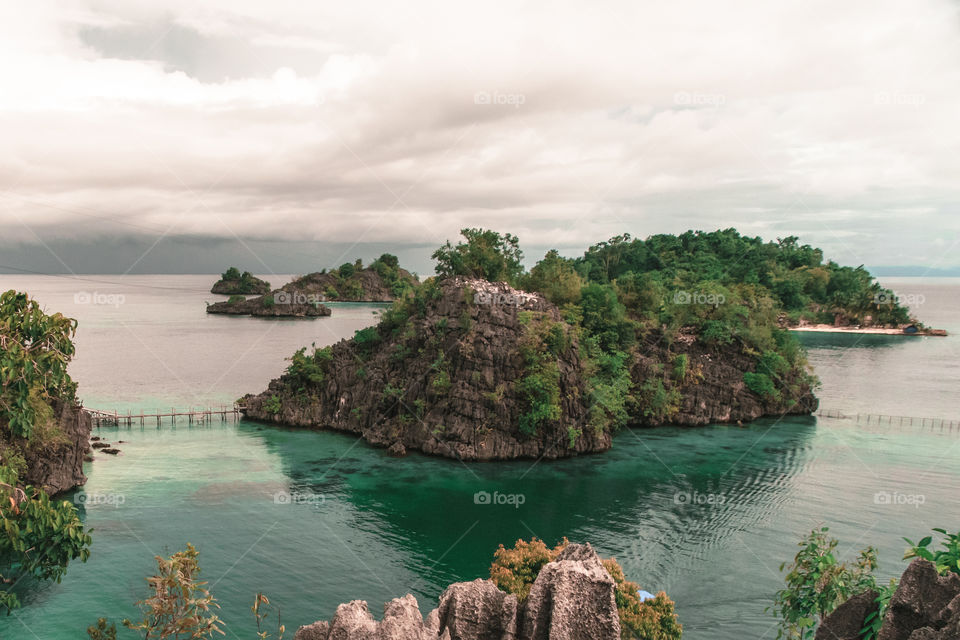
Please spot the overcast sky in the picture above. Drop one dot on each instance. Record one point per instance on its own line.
(220, 129)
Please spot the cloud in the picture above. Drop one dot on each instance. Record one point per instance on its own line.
(373, 123)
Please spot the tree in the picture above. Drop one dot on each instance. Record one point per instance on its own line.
(231, 274)
(556, 278)
(346, 270)
(485, 254)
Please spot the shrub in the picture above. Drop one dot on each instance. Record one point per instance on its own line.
(947, 559)
(305, 371)
(817, 583)
(346, 270)
(762, 385)
(273, 405)
(485, 254)
(234, 299)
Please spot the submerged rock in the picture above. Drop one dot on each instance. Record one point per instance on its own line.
(571, 599)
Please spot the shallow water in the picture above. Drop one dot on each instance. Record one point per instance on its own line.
(315, 519)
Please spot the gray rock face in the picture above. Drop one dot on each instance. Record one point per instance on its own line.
(58, 467)
(847, 620)
(571, 599)
(924, 606)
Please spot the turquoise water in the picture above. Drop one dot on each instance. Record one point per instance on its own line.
(315, 519)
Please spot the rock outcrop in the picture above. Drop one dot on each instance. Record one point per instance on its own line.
(714, 390)
(276, 304)
(57, 465)
(476, 370)
(571, 599)
(363, 285)
(925, 606)
(443, 380)
(847, 620)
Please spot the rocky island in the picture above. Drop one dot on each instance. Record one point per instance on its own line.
(232, 282)
(382, 281)
(470, 367)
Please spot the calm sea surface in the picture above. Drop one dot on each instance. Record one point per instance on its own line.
(706, 514)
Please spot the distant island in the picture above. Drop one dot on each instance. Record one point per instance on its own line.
(489, 361)
(232, 282)
(382, 281)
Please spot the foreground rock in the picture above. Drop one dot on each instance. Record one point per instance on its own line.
(925, 606)
(274, 305)
(571, 599)
(57, 465)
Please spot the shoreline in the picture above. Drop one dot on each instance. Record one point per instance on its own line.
(829, 328)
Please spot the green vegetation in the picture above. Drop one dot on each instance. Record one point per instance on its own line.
(242, 282)
(38, 536)
(348, 279)
(817, 583)
(305, 370)
(539, 384)
(947, 560)
(514, 571)
(485, 254)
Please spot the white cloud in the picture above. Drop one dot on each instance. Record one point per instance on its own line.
(360, 120)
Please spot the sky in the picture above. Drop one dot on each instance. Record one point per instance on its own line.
(286, 136)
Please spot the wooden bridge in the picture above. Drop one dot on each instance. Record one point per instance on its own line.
(941, 424)
(193, 416)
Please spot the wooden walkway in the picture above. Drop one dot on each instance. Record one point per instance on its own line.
(193, 416)
(942, 424)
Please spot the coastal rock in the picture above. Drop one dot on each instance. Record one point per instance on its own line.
(572, 598)
(846, 621)
(271, 306)
(924, 606)
(58, 465)
(397, 450)
(445, 383)
(363, 285)
(100, 445)
(477, 610)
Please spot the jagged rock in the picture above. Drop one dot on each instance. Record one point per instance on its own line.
(924, 603)
(397, 450)
(101, 445)
(364, 285)
(112, 452)
(352, 621)
(477, 610)
(94, 438)
(846, 621)
(572, 599)
(452, 377)
(58, 467)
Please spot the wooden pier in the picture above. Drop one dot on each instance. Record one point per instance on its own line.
(192, 416)
(941, 424)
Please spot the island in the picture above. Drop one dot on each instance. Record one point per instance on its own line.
(232, 282)
(381, 281)
(489, 361)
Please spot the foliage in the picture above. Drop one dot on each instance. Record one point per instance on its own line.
(947, 560)
(309, 371)
(100, 630)
(608, 385)
(273, 405)
(35, 349)
(38, 536)
(234, 299)
(514, 571)
(556, 278)
(874, 619)
(346, 270)
(485, 254)
(231, 274)
(539, 384)
(762, 385)
(817, 583)
(243, 282)
(260, 603)
(181, 606)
